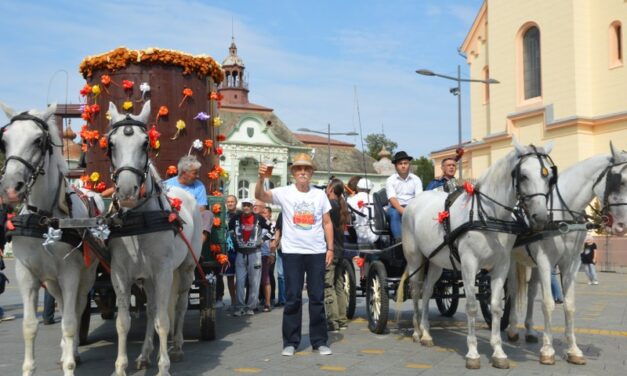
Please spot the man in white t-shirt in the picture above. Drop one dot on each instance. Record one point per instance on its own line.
(400, 189)
(307, 243)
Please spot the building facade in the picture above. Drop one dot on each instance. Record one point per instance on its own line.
(562, 77)
(255, 134)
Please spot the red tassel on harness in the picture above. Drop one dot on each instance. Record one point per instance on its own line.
(469, 188)
(442, 216)
(86, 254)
(9, 223)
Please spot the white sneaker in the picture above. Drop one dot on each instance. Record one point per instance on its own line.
(238, 313)
(219, 304)
(595, 282)
(249, 312)
(288, 351)
(589, 283)
(324, 350)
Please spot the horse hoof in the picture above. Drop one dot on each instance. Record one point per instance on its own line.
(513, 337)
(142, 364)
(500, 363)
(473, 363)
(530, 338)
(576, 359)
(426, 342)
(415, 337)
(547, 360)
(77, 359)
(176, 356)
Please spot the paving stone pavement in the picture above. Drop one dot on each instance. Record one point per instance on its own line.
(253, 344)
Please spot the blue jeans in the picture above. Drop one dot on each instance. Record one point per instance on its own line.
(394, 217)
(280, 277)
(556, 286)
(296, 266)
(591, 272)
(1, 312)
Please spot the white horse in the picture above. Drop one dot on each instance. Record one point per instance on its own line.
(522, 175)
(577, 186)
(34, 174)
(158, 261)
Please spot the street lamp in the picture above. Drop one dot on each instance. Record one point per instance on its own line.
(329, 134)
(457, 91)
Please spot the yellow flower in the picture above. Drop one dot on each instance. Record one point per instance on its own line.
(157, 144)
(127, 105)
(95, 176)
(180, 125)
(224, 174)
(95, 89)
(217, 121)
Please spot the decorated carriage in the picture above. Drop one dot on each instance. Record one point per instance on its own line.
(184, 120)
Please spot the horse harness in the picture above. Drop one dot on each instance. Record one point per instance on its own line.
(128, 123)
(486, 222)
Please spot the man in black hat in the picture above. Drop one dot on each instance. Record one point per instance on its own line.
(400, 189)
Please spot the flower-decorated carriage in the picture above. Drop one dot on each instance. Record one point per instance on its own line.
(184, 120)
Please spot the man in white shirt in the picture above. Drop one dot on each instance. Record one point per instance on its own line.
(400, 188)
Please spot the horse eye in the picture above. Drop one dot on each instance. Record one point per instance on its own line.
(146, 144)
(523, 177)
(111, 145)
(38, 141)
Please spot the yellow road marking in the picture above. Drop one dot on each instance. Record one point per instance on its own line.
(373, 351)
(333, 368)
(418, 366)
(443, 349)
(303, 353)
(247, 370)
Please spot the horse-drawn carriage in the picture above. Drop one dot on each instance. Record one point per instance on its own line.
(381, 266)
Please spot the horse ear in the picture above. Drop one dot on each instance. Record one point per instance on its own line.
(144, 115)
(615, 151)
(519, 148)
(113, 112)
(49, 112)
(8, 111)
(548, 147)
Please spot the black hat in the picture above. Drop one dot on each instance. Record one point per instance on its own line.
(400, 156)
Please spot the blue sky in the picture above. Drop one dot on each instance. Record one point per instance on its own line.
(304, 58)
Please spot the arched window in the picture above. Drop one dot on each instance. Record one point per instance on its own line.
(242, 189)
(531, 63)
(615, 44)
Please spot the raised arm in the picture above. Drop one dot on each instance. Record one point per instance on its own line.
(260, 192)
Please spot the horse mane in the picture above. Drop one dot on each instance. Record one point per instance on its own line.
(496, 172)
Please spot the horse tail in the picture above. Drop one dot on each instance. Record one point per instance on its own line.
(418, 272)
(521, 285)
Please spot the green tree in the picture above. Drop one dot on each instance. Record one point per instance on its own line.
(424, 169)
(376, 141)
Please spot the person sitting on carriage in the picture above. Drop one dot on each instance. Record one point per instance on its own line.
(400, 188)
(248, 231)
(360, 205)
(446, 181)
(187, 179)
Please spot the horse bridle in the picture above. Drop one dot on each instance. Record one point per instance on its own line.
(612, 184)
(544, 171)
(128, 123)
(45, 147)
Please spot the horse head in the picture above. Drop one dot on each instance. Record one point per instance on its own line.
(533, 178)
(611, 187)
(128, 151)
(27, 140)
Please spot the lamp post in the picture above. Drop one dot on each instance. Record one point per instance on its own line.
(328, 133)
(457, 91)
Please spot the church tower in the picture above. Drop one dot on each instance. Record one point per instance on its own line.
(234, 88)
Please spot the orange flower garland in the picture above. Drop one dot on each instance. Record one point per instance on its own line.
(187, 92)
(121, 57)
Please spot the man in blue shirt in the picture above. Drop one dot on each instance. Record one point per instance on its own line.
(187, 179)
(447, 179)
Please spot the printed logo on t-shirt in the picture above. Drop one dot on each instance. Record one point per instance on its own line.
(304, 215)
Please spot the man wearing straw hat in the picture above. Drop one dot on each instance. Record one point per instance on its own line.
(307, 242)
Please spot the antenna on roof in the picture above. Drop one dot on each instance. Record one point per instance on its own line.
(361, 134)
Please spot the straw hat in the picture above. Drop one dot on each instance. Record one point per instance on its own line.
(302, 159)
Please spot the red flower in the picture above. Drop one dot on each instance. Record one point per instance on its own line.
(216, 193)
(100, 187)
(103, 143)
(216, 208)
(84, 178)
(128, 85)
(171, 171)
(187, 92)
(360, 204)
(216, 222)
(86, 90)
(222, 258)
(469, 188)
(219, 150)
(208, 143)
(213, 175)
(221, 137)
(360, 261)
(442, 216)
(163, 111)
(95, 108)
(215, 248)
(213, 96)
(105, 79)
(175, 203)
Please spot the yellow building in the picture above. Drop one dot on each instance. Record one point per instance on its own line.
(562, 77)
